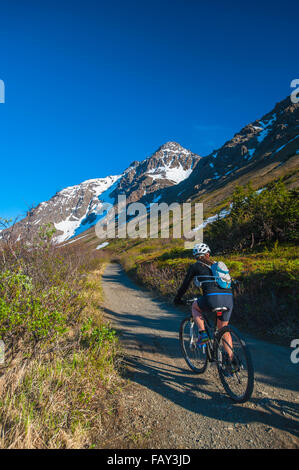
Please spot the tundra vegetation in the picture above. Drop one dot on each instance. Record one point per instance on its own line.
(60, 384)
(258, 241)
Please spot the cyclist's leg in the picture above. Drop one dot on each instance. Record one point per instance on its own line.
(223, 321)
(227, 343)
(197, 315)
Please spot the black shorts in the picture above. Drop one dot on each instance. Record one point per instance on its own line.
(210, 301)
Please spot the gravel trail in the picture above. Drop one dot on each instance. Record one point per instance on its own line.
(192, 411)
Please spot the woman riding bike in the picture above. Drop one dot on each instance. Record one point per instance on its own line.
(213, 297)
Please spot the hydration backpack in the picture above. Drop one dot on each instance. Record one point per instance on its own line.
(221, 274)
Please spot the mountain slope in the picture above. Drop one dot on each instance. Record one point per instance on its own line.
(66, 210)
(75, 209)
(262, 151)
(265, 149)
(168, 166)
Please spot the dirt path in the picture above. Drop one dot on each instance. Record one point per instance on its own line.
(189, 411)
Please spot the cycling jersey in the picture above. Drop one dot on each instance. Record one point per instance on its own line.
(204, 274)
(213, 295)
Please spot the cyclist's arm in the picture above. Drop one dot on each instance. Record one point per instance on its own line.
(189, 276)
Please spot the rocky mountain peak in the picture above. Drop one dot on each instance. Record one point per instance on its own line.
(172, 147)
(168, 166)
(267, 142)
(74, 209)
(171, 173)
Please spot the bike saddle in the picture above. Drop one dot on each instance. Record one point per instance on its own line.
(220, 309)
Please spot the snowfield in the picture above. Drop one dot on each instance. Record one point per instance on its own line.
(176, 174)
(102, 245)
(69, 227)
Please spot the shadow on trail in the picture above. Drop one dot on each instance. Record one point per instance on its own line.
(155, 331)
(126, 325)
(182, 389)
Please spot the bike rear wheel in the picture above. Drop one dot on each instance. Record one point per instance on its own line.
(195, 357)
(237, 377)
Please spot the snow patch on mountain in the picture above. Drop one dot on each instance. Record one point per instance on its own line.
(68, 227)
(212, 219)
(266, 128)
(175, 174)
(72, 225)
(283, 146)
(99, 210)
(223, 213)
(249, 155)
(102, 245)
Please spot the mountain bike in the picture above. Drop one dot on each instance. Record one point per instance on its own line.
(233, 360)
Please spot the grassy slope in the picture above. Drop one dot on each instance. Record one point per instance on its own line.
(61, 385)
(68, 394)
(259, 177)
(267, 302)
(219, 198)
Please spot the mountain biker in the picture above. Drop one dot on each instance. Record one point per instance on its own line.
(213, 295)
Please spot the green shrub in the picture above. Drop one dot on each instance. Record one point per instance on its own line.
(96, 336)
(255, 218)
(30, 313)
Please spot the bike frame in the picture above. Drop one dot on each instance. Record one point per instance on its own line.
(212, 332)
(223, 359)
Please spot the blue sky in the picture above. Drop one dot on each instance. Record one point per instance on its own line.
(92, 85)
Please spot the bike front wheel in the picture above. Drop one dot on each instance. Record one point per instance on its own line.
(234, 365)
(196, 357)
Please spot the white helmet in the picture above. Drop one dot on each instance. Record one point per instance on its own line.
(200, 249)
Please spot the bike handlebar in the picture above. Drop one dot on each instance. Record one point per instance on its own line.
(190, 301)
(185, 302)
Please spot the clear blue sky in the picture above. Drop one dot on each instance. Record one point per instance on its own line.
(92, 85)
